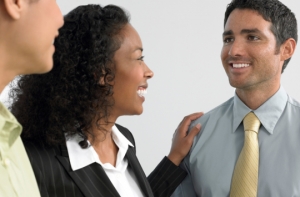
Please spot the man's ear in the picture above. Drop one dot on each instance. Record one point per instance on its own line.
(14, 8)
(288, 49)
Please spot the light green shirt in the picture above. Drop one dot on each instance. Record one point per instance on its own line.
(16, 175)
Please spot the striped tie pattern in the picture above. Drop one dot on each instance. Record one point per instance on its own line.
(245, 175)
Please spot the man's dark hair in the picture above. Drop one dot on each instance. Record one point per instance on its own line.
(284, 23)
(69, 98)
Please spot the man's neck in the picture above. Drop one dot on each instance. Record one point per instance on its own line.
(6, 68)
(6, 76)
(255, 97)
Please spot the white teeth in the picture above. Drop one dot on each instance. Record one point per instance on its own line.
(142, 92)
(240, 65)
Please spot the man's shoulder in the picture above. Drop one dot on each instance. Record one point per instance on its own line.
(224, 106)
(215, 112)
(211, 119)
(293, 103)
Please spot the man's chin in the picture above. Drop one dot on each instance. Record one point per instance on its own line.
(43, 68)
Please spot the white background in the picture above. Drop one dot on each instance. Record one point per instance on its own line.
(182, 42)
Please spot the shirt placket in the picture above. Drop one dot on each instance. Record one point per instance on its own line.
(6, 163)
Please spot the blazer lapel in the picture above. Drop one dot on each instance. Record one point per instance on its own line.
(91, 180)
(139, 173)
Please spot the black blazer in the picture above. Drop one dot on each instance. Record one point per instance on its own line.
(55, 177)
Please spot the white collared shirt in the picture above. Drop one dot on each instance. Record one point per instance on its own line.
(121, 176)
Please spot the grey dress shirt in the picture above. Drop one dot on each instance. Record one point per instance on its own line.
(215, 150)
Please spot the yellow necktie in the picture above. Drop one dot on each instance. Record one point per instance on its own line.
(245, 175)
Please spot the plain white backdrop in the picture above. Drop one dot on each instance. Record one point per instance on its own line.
(182, 42)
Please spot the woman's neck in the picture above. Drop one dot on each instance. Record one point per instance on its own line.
(103, 143)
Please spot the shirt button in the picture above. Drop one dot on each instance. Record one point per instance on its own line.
(6, 162)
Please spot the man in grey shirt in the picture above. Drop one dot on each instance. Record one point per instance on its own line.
(259, 39)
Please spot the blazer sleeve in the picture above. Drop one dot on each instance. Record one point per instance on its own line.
(165, 178)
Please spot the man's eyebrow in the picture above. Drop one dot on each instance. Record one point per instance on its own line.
(243, 31)
(247, 31)
(139, 48)
(227, 33)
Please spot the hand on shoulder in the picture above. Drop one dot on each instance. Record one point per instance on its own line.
(182, 139)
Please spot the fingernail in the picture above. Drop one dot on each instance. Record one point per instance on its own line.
(198, 126)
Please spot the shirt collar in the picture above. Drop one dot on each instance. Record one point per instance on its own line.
(10, 129)
(268, 113)
(80, 158)
(120, 139)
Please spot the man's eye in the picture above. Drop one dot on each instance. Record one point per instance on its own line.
(141, 58)
(253, 38)
(227, 40)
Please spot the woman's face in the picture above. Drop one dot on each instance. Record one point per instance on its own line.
(131, 75)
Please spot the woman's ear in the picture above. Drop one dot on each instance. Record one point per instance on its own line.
(288, 49)
(14, 8)
(102, 77)
(102, 82)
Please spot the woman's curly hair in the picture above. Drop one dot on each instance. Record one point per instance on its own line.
(69, 98)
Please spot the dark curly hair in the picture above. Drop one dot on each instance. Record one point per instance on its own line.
(284, 23)
(69, 98)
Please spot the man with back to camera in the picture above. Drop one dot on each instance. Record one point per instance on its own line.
(27, 31)
(249, 145)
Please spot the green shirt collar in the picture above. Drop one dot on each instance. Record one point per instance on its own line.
(10, 128)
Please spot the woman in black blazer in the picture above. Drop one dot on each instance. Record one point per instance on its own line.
(69, 114)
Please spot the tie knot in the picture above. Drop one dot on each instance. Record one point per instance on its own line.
(251, 122)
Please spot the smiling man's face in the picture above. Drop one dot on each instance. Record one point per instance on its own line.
(249, 54)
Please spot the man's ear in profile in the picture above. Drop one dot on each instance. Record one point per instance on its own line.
(12, 9)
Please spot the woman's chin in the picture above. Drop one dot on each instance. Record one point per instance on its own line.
(138, 111)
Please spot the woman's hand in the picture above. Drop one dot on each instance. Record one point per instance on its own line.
(182, 140)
